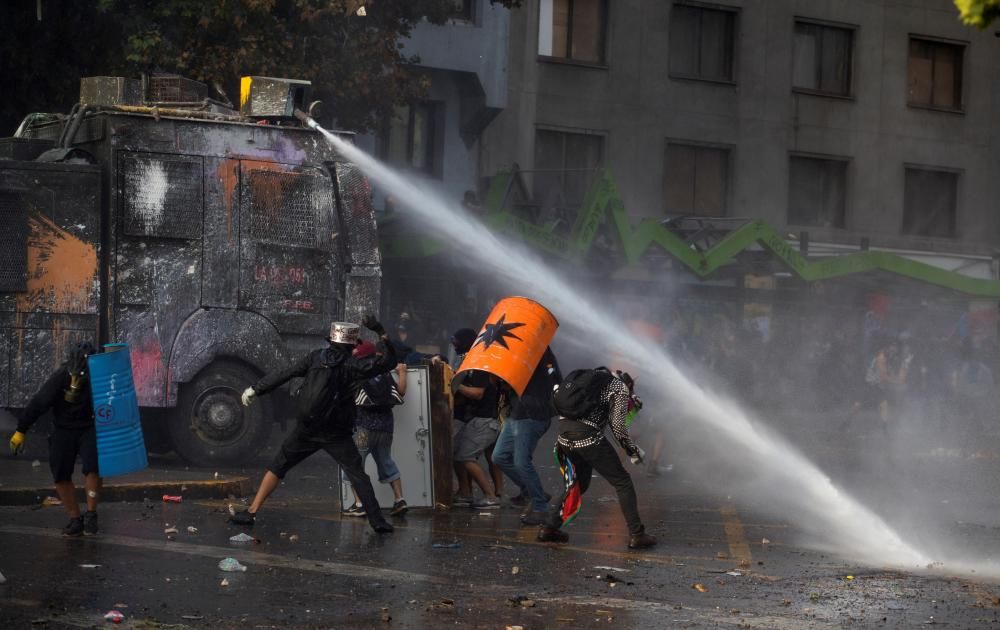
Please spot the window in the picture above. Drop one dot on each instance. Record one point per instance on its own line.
(822, 58)
(465, 10)
(565, 165)
(935, 74)
(572, 29)
(162, 195)
(929, 202)
(411, 137)
(817, 192)
(696, 180)
(702, 43)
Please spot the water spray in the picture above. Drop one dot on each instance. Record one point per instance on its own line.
(849, 528)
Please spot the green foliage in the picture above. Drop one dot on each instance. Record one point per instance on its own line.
(978, 13)
(355, 63)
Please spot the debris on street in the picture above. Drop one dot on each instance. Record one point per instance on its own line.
(231, 565)
(167, 498)
(446, 546)
(701, 588)
(242, 539)
(114, 616)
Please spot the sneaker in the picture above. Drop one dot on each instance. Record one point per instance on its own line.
(547, 534)
(383, 528)
(355, 510)
(399, 508)
(487, 504)
(90, 522)
(461, 501)
(243, 517)
(641, 541)
(533, 518)
(75, 527)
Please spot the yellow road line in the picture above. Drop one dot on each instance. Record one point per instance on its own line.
(738, 547)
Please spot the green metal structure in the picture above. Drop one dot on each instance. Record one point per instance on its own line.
(603, 202)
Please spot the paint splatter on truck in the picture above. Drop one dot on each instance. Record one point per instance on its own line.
(216, 246)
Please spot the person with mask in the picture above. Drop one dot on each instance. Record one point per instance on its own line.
(326, 412)
(582, 448)
(67, 393)
(530, 418)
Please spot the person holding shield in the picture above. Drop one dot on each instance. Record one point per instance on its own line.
(67, 393)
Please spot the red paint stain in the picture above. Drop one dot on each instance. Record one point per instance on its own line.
(148, 371)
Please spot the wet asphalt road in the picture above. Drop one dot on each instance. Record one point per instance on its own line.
(710, 570)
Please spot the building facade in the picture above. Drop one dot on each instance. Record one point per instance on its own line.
(871, 119)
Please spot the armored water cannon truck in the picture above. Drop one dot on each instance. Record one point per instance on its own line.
(219, 244)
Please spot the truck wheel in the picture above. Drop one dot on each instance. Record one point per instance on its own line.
(210, 426)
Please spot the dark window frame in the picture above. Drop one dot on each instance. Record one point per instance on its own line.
(467, 13)
(604, 44)
(943, 170)
(729, 149)
(734, 42)
(434, 150)
(844, 161)
(962, 46)
(564, 131)
(853, 30)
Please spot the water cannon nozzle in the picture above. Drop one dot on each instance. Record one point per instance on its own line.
(306, 119)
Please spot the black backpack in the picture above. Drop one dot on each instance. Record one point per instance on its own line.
(379, 392)
(580, 393)
(320, 393)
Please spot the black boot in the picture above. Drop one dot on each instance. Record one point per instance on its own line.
(642, 540)
(547, 534)
(90, 522)
(75, 527)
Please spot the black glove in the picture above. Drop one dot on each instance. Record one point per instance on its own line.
(372, 324)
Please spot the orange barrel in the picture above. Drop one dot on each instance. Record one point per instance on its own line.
(512, 341)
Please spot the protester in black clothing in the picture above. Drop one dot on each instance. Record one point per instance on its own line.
(583, 443)
(326, 414)
(67, 393)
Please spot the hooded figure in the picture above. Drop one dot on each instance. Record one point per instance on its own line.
(67, 393)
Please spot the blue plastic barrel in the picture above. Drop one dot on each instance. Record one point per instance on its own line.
(120, 447)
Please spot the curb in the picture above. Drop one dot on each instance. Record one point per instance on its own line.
(154, 491)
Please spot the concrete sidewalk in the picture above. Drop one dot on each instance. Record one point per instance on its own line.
(22, 482)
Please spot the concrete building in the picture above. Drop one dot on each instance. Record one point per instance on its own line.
(849, 119)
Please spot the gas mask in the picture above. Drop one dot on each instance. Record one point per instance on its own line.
(77, 368)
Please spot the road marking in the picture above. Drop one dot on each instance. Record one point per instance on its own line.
(245, 556)
(738, 547)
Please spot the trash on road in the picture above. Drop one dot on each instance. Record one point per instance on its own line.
(242, 539)
(520, 601)
(89, 566)
(701, 588)
(604, 568)
(114, 616)
(507, 547)
(386, 617)
(734, 573)
(192, 529)
(170, 530)
(231, 564)
(765, 541)
(224, 582)
(446, 546)
(172, 498)
(515, 570)
(293, 538)
(848, 577)
(721, 555)
(36, 464)
(49, 501)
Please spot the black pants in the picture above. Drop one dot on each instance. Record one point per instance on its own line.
(65, 445)
(300, 444)
(603, 458)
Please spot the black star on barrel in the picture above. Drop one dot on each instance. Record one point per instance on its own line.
(497, 333)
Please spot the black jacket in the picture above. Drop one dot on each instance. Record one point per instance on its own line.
(536, 402)
(78, 414)
(352, 370)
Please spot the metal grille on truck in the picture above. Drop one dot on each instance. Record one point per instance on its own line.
(358, 219)
(162, 196)
(13, 243)
(284, 207)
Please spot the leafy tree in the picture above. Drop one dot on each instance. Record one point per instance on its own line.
(979, 13)
(354, 61)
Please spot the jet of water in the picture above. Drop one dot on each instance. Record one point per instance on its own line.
(808, 496)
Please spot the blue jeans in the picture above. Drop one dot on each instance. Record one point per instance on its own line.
(513, 454)
(378, 444)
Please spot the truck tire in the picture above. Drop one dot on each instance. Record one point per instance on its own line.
(210, 426)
